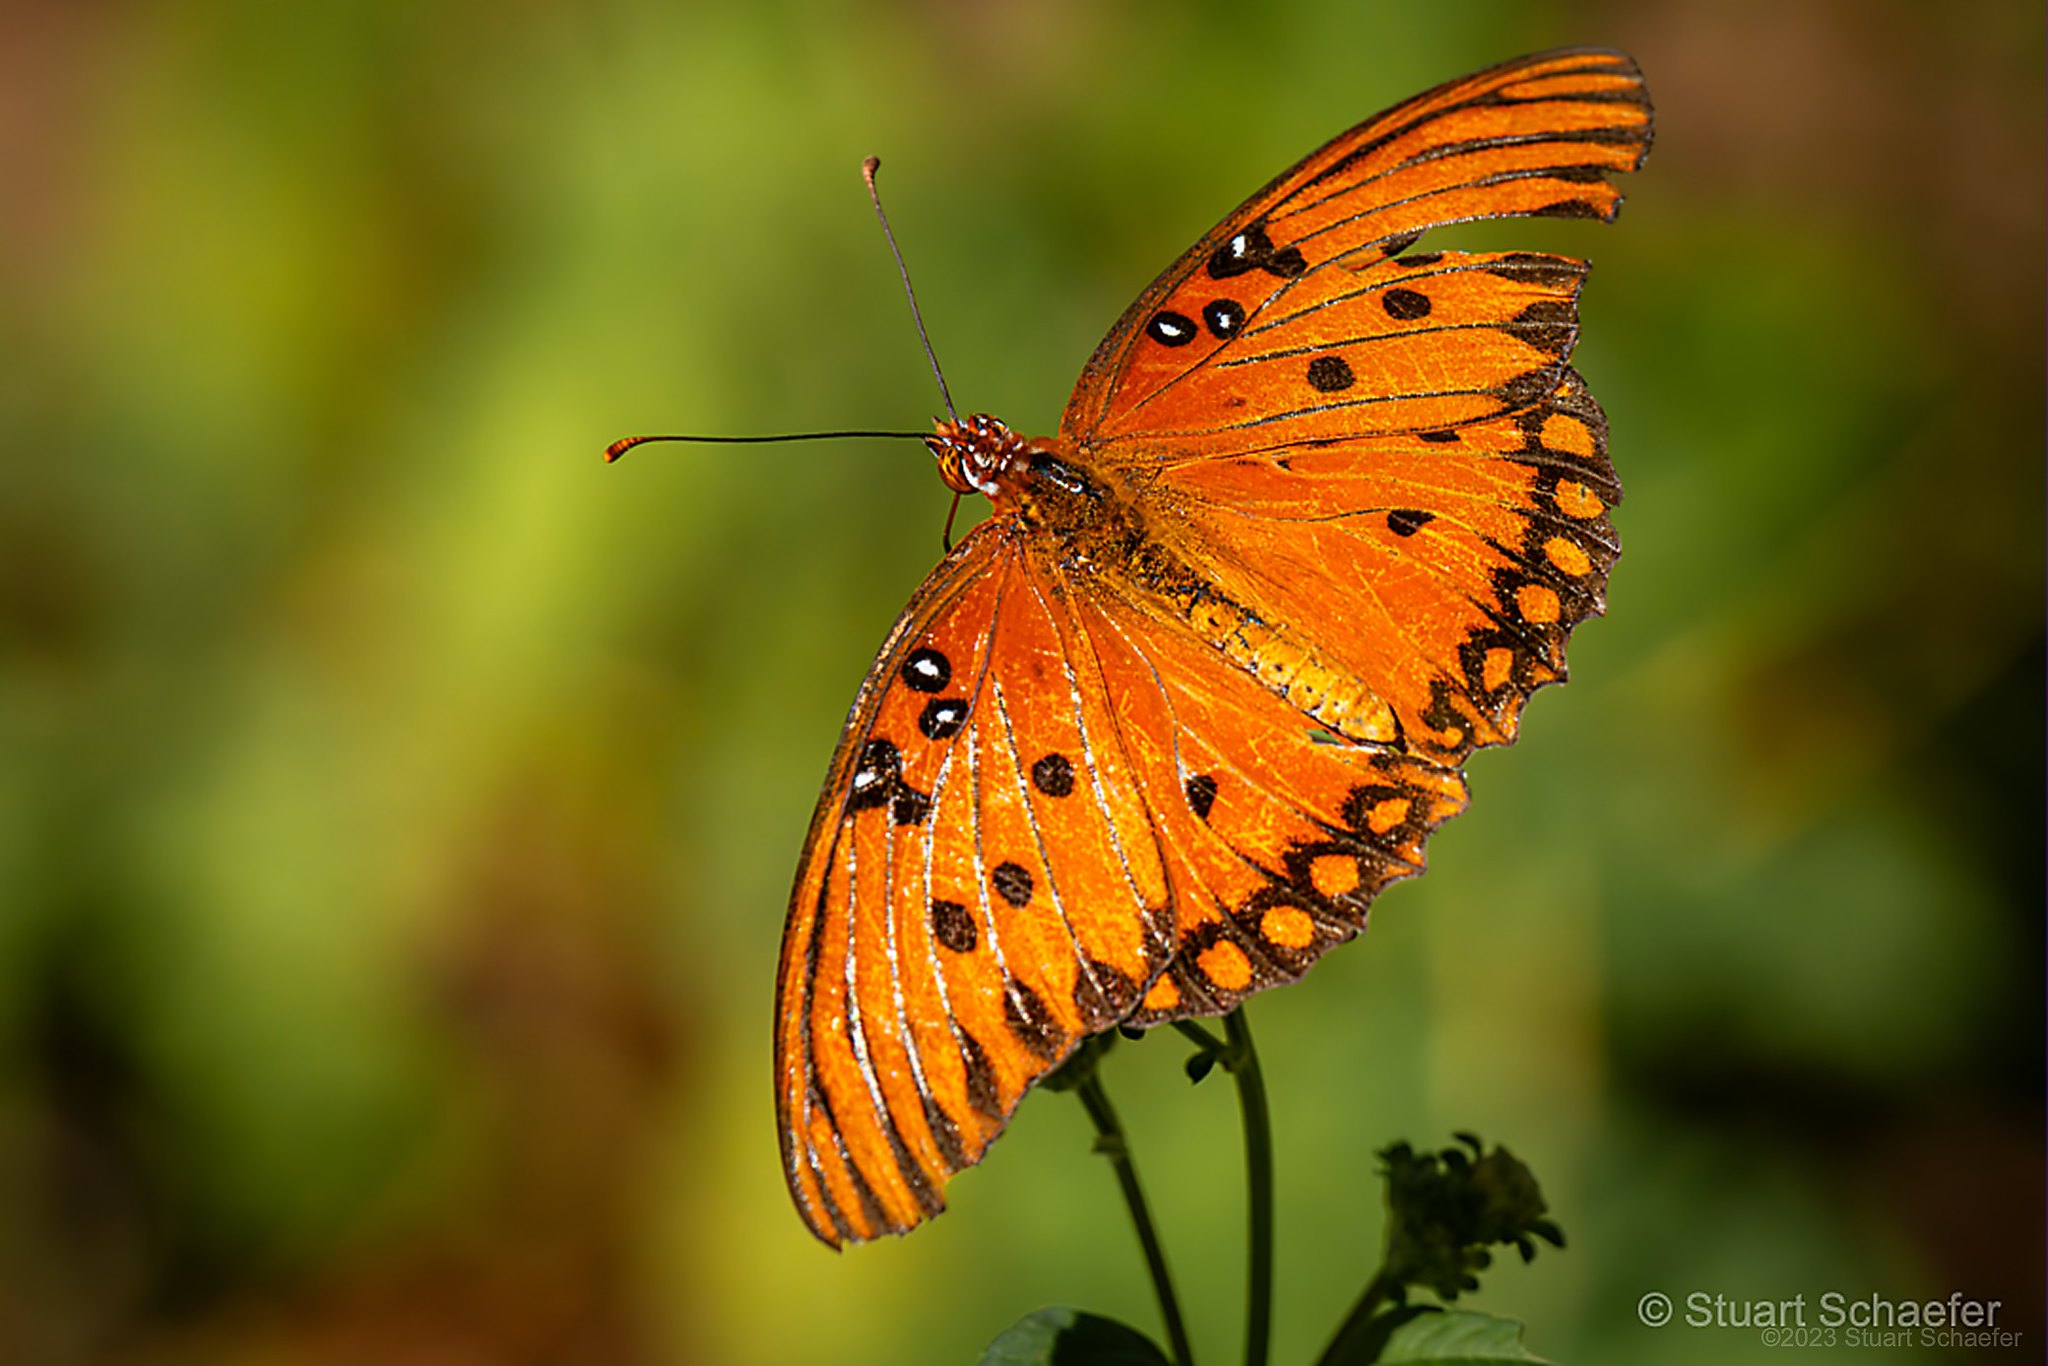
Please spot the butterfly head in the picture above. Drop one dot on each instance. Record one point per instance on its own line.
(976, 453)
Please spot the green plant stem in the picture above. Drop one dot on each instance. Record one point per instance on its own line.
(1110, 1142)
(1241, 1060)
(1377, 1291)
(1202, 1037)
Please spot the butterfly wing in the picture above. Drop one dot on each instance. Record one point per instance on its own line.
(1536, 136)
(1391, 450)
(1048, 796)
(980, 890)
(1276, 834)
(1442, 572)
(1384, 466)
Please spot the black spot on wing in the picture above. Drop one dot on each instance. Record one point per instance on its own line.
(945, 1134)
(1405, 305)
(927, 671)
(981, 1077)
(1025, 1012)
(1223, 317)
(942, 718)
(1287, 263)
(1527, 388)
(1170, 329)
(874, 776)
(1053, 775)
(909, 806)
(1246, 250)
(1012, 882)
(953, 927)
(1570, 208)
(1329, 374)
(1103, 992)
(1548, 325)
(1551, 272)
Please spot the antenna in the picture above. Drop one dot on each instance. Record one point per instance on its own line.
(627, 443)
(867, 173)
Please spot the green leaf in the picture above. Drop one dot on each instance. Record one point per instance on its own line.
(1060, 1336)
(1447, 1338)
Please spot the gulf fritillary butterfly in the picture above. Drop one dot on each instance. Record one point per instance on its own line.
(1318, 520)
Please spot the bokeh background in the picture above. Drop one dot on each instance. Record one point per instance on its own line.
(397, 805)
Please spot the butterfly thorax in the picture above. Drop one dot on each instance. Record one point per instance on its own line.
(1043, 487)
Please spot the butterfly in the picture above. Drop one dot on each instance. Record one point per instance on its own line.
(1318, 519)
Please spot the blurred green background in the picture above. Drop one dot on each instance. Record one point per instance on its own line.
(397, 806)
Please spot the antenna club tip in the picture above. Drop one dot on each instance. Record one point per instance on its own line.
(870, 165)
(620, 447)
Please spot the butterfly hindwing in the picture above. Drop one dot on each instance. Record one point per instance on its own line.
(1444, 574)
(1277, 835)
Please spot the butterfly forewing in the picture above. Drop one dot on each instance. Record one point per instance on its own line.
(1423, 343)
(830, 1023)
(982, 889)
(1535, 136)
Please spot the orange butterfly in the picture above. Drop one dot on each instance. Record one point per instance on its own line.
(1318, 519)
